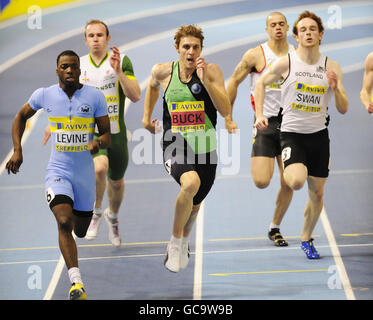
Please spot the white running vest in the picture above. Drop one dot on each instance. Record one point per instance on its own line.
(272, 100)
(305, 96)
(103, 78)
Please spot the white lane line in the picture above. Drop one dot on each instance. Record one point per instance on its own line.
(125, 18)
(242, 41)
(198, 262)
(234, 251)
(353, 67)
(54, 280)
(168, 180)
(347, 44)
(175, 8)
(20, 57)
(29, 126)
(337, 256)
(212, 50)
(55, 277)
(261, 37)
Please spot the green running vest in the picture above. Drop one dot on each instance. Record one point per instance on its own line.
(189, 111)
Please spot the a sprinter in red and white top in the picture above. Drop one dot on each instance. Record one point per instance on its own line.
(266, 144)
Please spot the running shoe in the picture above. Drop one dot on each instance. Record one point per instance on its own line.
(185, 254)
(114, 234)
(77, 292)
(309, 249)
(172, 260)
(94, 225)
(275, 235)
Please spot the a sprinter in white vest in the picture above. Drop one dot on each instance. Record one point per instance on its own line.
(113, 75)
(266, 143)
(310, 79)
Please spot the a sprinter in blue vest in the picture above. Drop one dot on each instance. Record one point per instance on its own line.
(73, 110)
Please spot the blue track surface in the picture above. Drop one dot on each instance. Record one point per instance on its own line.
(236, 260)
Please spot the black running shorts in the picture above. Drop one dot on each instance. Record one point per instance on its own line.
(178, 160)
(312, 150)
(266, 143)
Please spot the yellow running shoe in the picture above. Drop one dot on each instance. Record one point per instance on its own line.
(77, 292)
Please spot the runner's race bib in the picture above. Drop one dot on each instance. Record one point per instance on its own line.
(188, 116)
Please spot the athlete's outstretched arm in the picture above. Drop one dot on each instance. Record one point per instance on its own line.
(212, 79)
(335, 77)
(18, 128)
(366, 91)
(275, 73)
(159, 71)
(241, 71)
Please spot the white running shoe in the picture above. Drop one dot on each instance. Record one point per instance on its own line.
(172, 260)
(114, 235)
(94, 225)
(184, 256)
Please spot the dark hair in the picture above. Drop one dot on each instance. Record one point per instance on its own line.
(67, 53)
(311, 15)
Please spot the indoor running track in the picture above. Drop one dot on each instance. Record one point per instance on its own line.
(231, 255)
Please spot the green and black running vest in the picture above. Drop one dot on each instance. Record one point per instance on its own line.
(189, 111)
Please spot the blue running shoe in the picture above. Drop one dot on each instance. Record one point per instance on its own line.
(309, 249)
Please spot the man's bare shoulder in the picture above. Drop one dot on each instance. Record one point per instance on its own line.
(333, 65)
(252, 54)
(212, 67)
(214, 72)
(161, 71)
(253, 58)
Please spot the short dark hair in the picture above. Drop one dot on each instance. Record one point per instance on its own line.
(67, 53)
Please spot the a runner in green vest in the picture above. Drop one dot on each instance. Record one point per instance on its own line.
(193, 93)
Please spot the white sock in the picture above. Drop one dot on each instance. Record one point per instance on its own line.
(74, 275)
(112, 216)
(273, 226)
(97, 212)
(176, 241)
(185, 239)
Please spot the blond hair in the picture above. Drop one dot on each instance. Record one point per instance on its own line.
(95, 21)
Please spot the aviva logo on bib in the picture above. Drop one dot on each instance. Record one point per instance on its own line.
(188, 106)
(73, 124)
(299, 86)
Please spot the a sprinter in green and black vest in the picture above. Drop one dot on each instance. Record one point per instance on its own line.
(193, 93)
